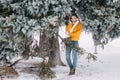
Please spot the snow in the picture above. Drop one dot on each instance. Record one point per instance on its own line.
(107, 66)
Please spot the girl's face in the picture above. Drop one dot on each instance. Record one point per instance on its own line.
(73, 19)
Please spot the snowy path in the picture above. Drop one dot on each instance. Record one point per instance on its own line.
(107, 66)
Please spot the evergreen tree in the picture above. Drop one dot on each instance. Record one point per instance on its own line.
(19, 19)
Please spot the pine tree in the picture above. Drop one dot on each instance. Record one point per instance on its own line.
(19, 19)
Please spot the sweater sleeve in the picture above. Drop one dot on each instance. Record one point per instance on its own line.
(68, 27)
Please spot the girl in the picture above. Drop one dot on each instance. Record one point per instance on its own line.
(73, 29)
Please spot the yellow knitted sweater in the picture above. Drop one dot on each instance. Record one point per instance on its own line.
(75, 34)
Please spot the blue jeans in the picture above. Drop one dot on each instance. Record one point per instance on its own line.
(71, 55)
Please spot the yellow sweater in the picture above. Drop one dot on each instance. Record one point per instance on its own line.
(75, 34)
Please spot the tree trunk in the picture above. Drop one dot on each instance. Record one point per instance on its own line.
(52, 49)
(54, 57)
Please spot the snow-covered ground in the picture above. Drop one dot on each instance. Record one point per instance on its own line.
(107, 66)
